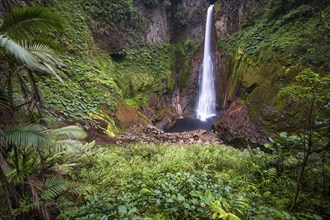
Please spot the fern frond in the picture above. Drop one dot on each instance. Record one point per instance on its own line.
(22, 23)
(54, 187)
(71, 147)
(240, 205)
(71, 132)
(26, 136)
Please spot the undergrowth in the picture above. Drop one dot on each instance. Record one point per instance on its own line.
(174, 182)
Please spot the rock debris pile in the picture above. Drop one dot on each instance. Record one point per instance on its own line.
(150, 134)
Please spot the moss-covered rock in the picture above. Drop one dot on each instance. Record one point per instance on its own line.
(266, 54)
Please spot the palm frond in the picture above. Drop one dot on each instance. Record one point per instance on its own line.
(28, 136)
(46, 57)
(35, 56)
(43, 52)
(71, 132)
(21, 23)
(19, 51)
(48, 69)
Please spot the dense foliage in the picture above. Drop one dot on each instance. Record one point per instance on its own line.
(172, 182)
(291, 32)
(25, 52)
(45, 173)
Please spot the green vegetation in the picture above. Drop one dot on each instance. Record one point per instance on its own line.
(174, 182)
(280, 59)
(182, 54)
(289, 32)
(30, 158)
(122, 20)
(310, 97)
(22, 61)
(93, 81)
(278, 40)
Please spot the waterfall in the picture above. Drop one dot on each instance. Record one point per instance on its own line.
(206, 106)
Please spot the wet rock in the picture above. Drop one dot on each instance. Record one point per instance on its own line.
(236, 127)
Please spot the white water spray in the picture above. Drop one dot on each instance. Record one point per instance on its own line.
(206, 106)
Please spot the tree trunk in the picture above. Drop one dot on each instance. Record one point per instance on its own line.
(298, 183)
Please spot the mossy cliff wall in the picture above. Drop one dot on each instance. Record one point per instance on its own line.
(262, 46)
(118, 56)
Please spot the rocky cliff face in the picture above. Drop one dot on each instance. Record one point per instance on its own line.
(258, 57)
(178, 21)
(156, 28)
(195, 19)
(237, 81)
(230, 16)
(153, 25)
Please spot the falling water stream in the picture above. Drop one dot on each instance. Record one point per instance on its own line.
(206, 105)
(206, 112)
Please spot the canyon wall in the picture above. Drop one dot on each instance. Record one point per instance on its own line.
(259, 46)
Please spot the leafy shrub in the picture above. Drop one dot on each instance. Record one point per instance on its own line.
(145, 181)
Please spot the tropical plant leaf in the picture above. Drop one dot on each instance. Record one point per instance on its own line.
(71, 146)
(71, 132)
(48, 69)
(22, 23)
(26, 136)
(18, 51)
(46, 57)
(54, 187)
(36, 56)
(42, 51)
(3, 99)
(25, 170)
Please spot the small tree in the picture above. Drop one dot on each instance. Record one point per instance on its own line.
(309, 98)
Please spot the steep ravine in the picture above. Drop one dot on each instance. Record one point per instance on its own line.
(155, 53)
(260, 47)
